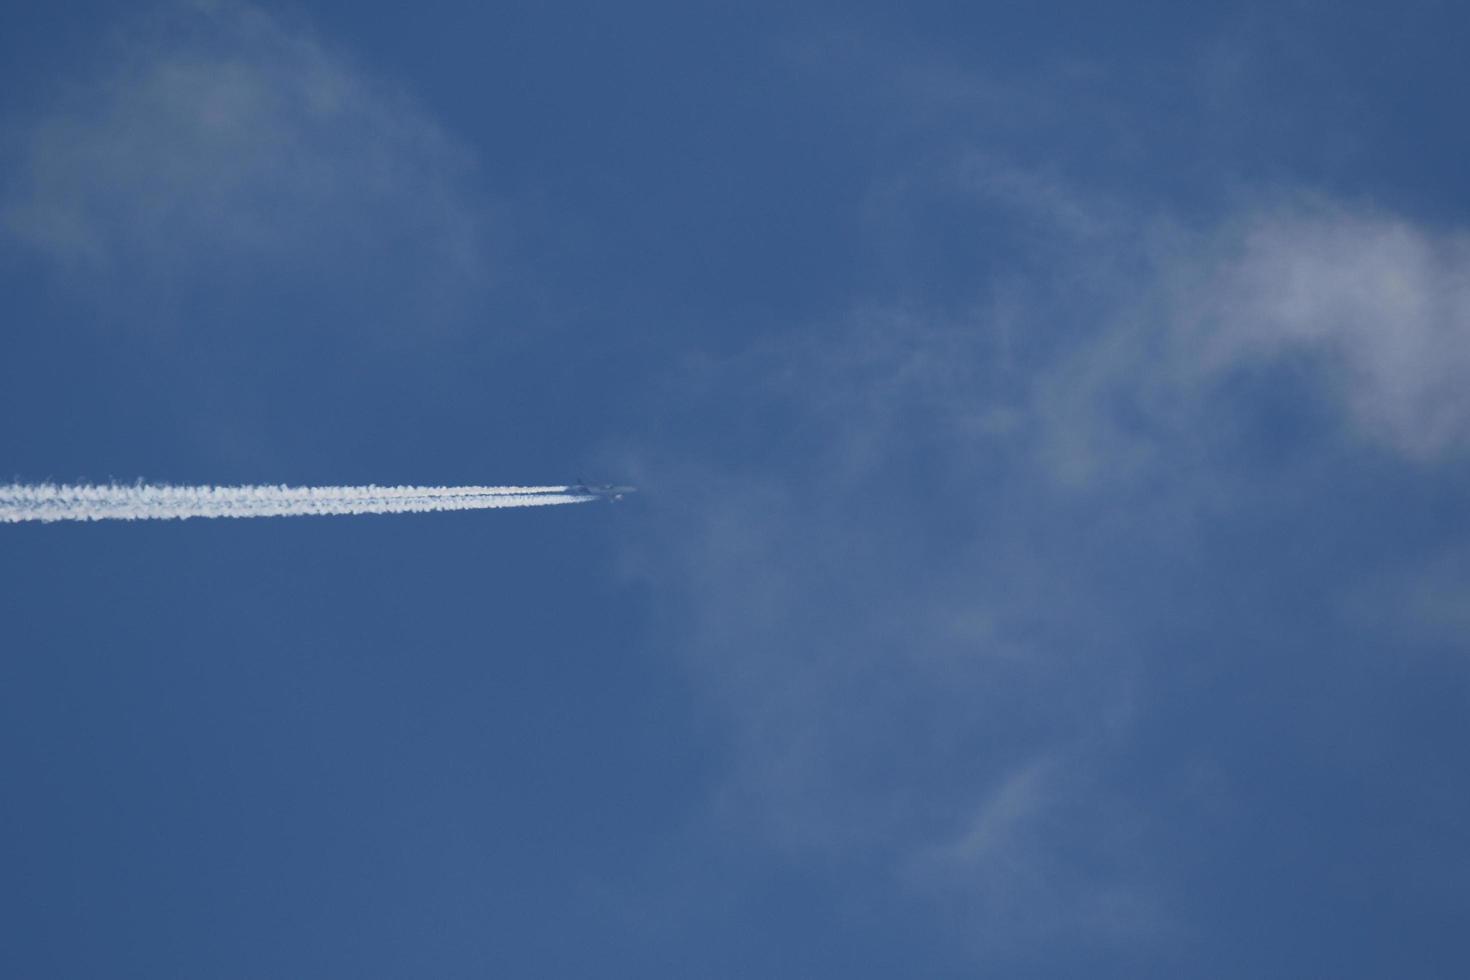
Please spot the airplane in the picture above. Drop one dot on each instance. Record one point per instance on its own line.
(608, 492)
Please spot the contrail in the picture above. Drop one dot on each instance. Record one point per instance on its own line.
(64, 502)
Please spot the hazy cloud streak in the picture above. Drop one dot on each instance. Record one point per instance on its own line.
(221, 149)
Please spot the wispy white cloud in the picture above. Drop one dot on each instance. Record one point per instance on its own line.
(1345, 312)
(1379, 304)
(222, 149)
(1017, 866)
(922, 633)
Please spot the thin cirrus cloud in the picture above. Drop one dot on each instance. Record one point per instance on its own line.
(931, 635)
(1365, 313)
(1381, 305)
(227, 142)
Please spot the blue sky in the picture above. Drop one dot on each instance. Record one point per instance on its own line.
(1053, 433)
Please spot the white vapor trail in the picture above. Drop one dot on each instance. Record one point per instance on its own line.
(53, 502)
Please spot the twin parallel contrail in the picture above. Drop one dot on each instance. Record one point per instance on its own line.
(63, 502)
